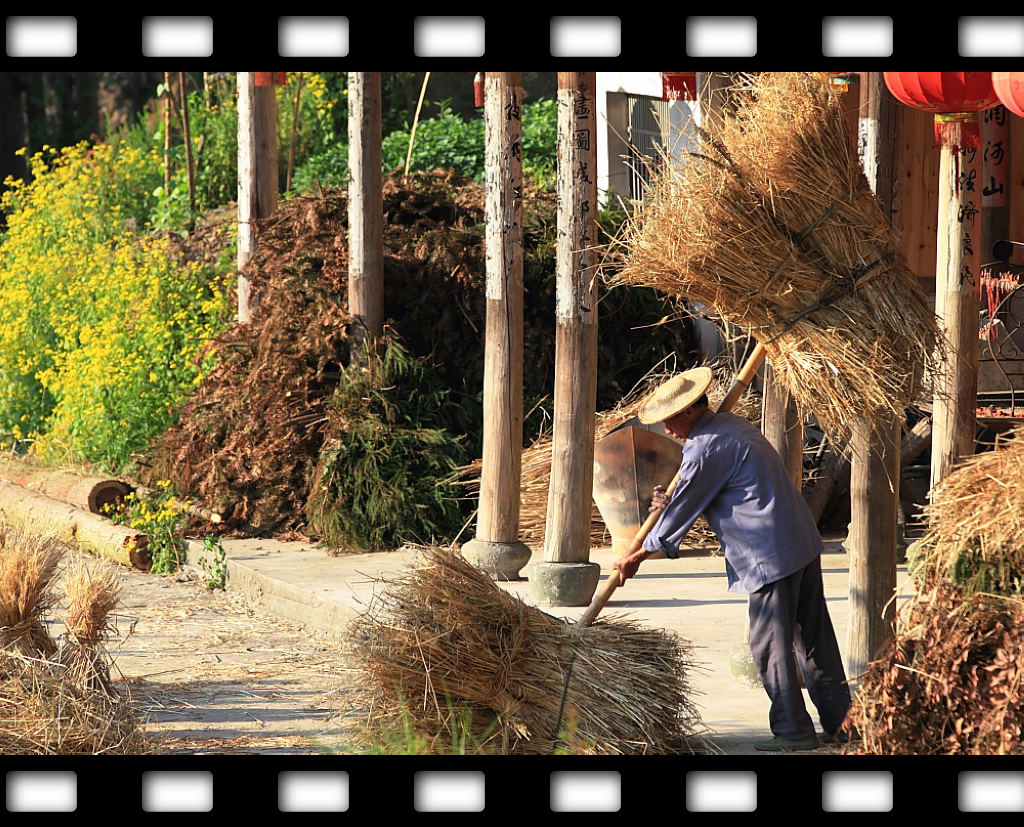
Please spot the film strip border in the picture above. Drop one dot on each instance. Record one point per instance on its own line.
(743, 41)
(395, 786)
(381, 785)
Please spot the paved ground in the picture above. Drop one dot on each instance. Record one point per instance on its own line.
(688, 596)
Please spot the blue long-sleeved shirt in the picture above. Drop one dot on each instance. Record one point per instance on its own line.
(733, 476)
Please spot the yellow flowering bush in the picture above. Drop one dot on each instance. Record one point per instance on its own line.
(99, 322)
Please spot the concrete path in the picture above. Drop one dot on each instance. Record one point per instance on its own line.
(687, 596)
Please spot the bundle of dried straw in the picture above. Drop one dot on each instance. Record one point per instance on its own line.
(773, 225)
(975, 534)
(442, 643)
(28, 570)
(57, 699)
(92, 591)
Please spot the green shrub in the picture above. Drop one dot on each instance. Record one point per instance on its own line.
(385, 473)
(446, 141)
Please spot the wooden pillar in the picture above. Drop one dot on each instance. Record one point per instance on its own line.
(257, 176)
(365, 209)
(496, 547)
(957, 303)
(781, 426)
(567, 578)
(875, 470)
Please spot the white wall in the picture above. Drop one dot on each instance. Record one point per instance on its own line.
(681, 114)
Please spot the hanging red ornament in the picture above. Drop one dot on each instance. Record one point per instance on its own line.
(1009, 88)
(678, 86)
(478, 89)
(955, 98)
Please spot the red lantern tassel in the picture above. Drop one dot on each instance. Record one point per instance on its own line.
(957, 130)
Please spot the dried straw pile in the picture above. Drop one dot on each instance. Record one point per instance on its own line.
(774, 227)
(28, 567)
(92, 591)
(975, 533)
(441, 644)
(55, 696)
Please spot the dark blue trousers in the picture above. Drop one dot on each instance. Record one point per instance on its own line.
(790, 617)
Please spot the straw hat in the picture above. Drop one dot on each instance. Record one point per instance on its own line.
(675, 395)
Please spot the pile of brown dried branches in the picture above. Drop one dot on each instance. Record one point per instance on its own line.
(774, 227)
(442, 643)
(56, 696)
(949, 680)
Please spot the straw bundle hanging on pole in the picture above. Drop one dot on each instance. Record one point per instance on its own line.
(441, 644)
(774, 227)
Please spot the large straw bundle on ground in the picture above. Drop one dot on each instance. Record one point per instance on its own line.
(773, 226)
(949, 680)
(44, 710)
(975, 533)
(441, 644)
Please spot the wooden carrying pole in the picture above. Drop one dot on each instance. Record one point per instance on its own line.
(614, 580)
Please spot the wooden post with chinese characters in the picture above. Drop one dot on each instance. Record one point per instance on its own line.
(875, 465)
(995, 213)
(957, 305)
(567, 578)
(496, 547)
(365, 210)
(257, 176)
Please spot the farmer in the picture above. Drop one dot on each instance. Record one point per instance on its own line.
(733, 476)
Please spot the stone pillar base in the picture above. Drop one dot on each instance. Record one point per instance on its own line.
(564, 584)
(502, 561)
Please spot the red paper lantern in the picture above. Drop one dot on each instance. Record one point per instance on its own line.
(955, 98)
(678, 85)
(269, 79)
(1009, 88)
